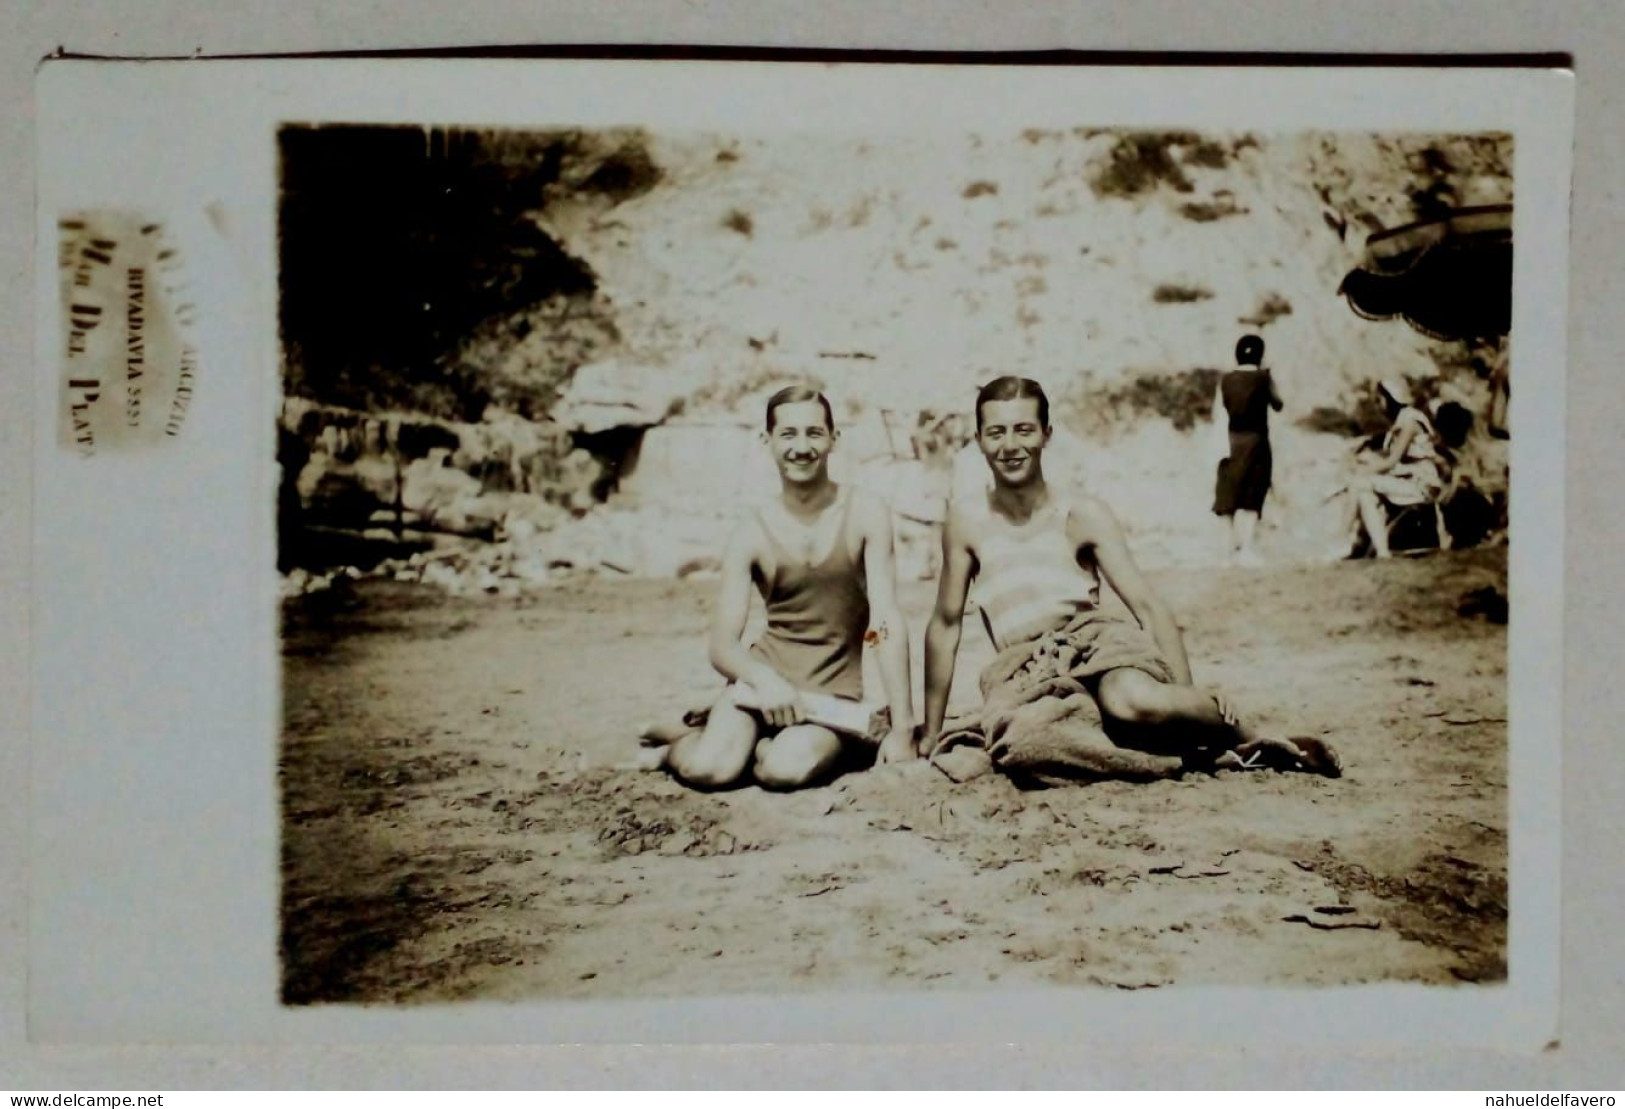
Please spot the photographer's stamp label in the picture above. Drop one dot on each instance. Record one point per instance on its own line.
(128, 363)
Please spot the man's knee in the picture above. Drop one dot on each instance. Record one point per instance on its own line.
(718, 756)
(1131, 697)
(706, 768)
(796, 757)
(783, 775)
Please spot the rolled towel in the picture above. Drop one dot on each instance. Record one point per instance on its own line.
(840, 714)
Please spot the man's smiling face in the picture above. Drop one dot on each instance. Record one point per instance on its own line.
(801, 440)
(1012, 438)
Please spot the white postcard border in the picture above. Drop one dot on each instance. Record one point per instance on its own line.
(156, 703)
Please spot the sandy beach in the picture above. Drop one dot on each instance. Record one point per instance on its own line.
(455, 825)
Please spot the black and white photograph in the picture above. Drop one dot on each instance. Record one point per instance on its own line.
(640, 550)
(719, 563)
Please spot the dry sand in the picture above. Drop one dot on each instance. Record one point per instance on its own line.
(454, 826)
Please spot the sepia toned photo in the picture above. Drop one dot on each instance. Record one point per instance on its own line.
(737, 563)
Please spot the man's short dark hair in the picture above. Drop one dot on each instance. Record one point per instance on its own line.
(799, 394)
(1012, 388)
(1249, 351)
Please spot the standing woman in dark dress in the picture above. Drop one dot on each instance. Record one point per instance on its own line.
(1245, 395)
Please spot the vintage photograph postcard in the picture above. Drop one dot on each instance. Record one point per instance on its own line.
(759, 551)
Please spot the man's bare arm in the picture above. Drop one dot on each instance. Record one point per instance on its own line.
(890, 633)
(943, 632)
(1093, 525)
(779, 702)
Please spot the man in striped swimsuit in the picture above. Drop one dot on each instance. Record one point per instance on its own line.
(1038, 559)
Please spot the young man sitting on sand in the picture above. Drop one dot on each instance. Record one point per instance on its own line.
(820, 555)
(1075, 693)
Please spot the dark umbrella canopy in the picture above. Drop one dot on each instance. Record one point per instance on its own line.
(1450, 278)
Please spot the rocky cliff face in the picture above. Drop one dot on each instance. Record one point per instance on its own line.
(1116, 268)
(905, 271)
(900, 272)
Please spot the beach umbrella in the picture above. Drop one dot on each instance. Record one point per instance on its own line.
(1448, 277)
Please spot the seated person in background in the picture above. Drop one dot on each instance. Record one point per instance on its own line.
(1495, 370)
(1467, 503)
(1408, 469)
(821, 557)
(1453, 422)
(1075, 692)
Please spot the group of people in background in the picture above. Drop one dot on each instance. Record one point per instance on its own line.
(1409, 466)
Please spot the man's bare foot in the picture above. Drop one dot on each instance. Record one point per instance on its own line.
(661, 733)
(647, 758)
(1303, 754)
(1318, 756)
(655, 739)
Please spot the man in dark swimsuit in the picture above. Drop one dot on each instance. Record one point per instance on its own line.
(821, 557)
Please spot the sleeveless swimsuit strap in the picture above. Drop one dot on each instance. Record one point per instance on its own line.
(843, 506)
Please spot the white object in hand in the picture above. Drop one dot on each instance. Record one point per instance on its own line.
(840, 714)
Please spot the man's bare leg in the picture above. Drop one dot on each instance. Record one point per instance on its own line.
(1179, 719)
(1163, 717)
(718, 756)
(799, 755)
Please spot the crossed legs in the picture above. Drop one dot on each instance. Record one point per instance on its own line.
(732, 744)
(1373, 493)
(1165, 719)
(1374, 520)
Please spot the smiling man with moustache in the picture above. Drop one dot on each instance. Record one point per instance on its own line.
(821, 557)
